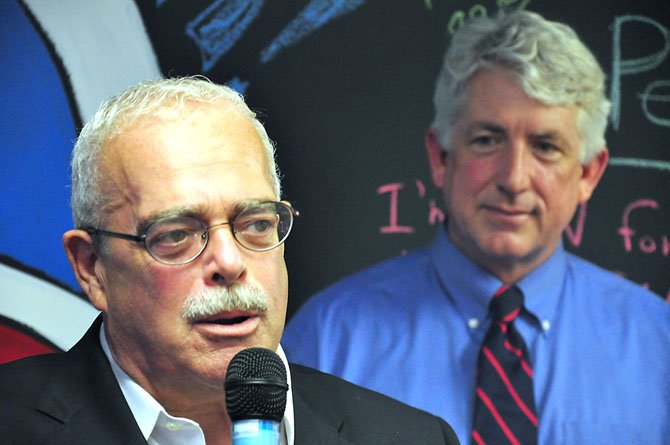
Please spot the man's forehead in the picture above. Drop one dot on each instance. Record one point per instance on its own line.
(189, 126)
(540, 118)
(155, 149)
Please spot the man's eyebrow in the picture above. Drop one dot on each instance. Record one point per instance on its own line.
(193, 212)
(485, 125)
(172, 212)
(552, 136)
(247, 203)
(548, 135)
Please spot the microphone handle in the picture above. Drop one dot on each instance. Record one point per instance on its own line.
(256, 432)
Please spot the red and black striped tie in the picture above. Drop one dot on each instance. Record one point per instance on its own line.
(504, 403)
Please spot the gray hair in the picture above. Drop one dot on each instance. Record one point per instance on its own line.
(150, 98)
(552, 64)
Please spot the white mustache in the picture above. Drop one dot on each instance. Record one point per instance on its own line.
(213, 300)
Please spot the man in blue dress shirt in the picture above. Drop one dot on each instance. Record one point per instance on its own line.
(517, 143)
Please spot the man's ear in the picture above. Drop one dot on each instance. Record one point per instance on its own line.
(83, 258)
(592, 171)
(437, 157)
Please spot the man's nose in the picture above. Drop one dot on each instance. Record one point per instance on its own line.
(515, 169)
(225, 261)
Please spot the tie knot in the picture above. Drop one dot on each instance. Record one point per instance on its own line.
(506, 303)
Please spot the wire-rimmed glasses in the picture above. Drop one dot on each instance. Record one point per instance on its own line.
(176, 240)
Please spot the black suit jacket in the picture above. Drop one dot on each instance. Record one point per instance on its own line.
(73, 398)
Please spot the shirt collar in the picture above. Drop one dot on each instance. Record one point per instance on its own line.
(147, 410)
(544, 286)
(471, 287)
(288, 422)
(144, 407)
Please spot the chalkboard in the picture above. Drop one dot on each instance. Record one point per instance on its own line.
(345, 90)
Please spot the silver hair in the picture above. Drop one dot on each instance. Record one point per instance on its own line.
(150, 98)
(550, 61)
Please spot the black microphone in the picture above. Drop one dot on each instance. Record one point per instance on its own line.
(256, 396)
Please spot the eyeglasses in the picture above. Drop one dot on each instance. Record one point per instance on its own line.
(179, 240)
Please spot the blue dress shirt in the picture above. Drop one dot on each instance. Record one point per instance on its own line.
(411, 328)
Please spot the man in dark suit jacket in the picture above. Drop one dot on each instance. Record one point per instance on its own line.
(73, 398)
(157, 175)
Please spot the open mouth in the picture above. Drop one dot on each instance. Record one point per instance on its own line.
(228, 321)
(227, 318)
(227, 324)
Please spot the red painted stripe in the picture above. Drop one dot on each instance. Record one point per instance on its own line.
(496, 415)
(15, 344)
(501, 372)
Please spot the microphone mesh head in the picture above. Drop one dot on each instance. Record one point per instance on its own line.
(256, 385)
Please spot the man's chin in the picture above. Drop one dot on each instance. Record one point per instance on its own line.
(509, 253)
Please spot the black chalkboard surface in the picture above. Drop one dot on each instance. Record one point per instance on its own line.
(345, 89)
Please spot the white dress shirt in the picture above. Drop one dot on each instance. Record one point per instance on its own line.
(161, 428)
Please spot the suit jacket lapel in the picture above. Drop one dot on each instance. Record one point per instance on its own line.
(85, 397)
(312, 427)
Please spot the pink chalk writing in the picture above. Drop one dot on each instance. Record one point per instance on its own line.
(393, 226)
(575, 235)
(646, 243)
(435, 215)
(420, 187)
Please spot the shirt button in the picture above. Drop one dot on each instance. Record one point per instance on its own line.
(173, 426)
(473, 323)
(546, 325)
